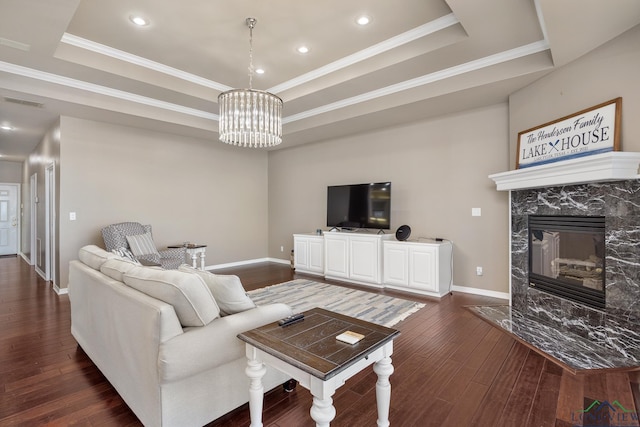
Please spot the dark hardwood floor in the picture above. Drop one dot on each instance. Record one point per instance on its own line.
(451, 369)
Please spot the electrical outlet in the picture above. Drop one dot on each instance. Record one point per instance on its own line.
(281, 248)
(479, 271)
(72, 216)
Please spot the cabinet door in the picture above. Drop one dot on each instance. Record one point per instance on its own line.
(316, 255)
(423, 268)
(365, 255)
(301, 253)
(336, 256)
(396, 264)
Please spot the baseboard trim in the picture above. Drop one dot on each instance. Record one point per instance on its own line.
(60, 291)
(41, 273)
(25, 258)
(246, 262)
(481, 292)
(454, 288)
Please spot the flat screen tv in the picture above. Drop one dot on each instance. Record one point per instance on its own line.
(359, 206)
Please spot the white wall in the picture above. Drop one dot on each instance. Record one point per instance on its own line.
(604, 74)
(439, 170)
(46, 153)
(187, 189)
(10, 172)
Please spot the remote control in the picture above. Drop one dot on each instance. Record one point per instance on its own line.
(294, 318)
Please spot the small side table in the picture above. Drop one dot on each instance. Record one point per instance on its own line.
(194, 251)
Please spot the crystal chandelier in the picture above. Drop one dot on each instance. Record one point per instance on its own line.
(249, 117)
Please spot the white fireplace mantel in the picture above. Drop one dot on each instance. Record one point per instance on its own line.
(611, 166)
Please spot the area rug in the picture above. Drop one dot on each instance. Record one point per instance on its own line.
(302, 295)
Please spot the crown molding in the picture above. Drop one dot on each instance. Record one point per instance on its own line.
(101, 90)
(406, 37)
(101, 49)
(467, 67)
(416, 33)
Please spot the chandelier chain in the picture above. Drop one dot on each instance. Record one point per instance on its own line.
(251, 22)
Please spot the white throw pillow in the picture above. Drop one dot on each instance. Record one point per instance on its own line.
(226, 289)
(187, 293)
(142, 244)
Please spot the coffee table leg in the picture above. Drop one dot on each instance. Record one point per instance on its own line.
(384, 369)
(322, 411)
(255, 371)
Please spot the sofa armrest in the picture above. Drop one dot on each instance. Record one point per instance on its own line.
(203, 348)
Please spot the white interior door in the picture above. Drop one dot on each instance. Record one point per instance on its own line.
(8, 219)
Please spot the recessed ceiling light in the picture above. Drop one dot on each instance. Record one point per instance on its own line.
(138, 20)
(303, 49)
(259, 71)
(363, 20)
(6, 127)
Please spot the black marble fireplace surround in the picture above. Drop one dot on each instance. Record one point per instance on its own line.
(580, 337)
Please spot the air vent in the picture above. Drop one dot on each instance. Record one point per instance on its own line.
(23, 102)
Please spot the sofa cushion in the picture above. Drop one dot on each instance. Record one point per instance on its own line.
(187, 293)
(226, 289)
(94, 256)
(118, 267)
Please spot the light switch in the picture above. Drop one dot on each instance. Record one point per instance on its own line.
(476, 212)
(72, 216)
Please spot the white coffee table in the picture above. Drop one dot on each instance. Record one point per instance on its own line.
(310, 354)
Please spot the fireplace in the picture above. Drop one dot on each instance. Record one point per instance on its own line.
(604, 188)
(567, 257)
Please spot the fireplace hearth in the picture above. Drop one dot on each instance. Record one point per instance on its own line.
(567, 257)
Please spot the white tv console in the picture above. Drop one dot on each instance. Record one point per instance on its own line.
(377, 260)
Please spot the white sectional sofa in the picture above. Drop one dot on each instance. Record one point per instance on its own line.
(174, 357)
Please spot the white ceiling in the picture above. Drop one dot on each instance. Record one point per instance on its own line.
(416, 59)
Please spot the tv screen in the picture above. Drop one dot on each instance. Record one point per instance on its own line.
(359, 206)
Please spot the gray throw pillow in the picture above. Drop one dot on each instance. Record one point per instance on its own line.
(142, 244)
(226, 289)
(125, 253)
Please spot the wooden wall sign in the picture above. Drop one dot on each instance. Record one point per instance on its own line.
(587, 132)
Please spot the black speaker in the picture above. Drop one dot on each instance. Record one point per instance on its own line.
(403, 232)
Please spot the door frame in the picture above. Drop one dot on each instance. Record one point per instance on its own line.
(33, 205)
(50, 221)
(19, 214)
